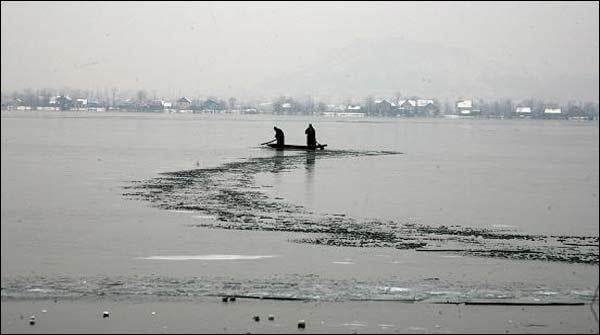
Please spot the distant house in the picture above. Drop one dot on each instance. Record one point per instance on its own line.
(127, 104)
(383, 107)
(426, 107)
(80, 103)
(353, 109)
(13, 104)
(64, 102)
(407, 107)
(523, 112)
(184, 103)
(53, 101)
(212, 105)
(424, 102)
(156, 105)
(406, 103)
(95, 106)
(336, 108)
(265, 107)
(576, 113)
(553, 113)
(282, 106)
(465, 108)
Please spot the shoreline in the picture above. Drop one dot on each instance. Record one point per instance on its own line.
(212, 315)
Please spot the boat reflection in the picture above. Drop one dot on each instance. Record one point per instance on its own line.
(278, 161)
(310, 160)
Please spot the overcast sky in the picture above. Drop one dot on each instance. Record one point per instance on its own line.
(232, 49)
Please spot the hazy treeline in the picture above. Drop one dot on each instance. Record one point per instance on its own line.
(396, 105)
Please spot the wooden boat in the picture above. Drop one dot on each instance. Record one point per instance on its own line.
(297, 147)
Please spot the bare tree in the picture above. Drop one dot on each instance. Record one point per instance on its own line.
(141, 96)
(232, 102)
(397, 97)
(114, 92)
(370, 105)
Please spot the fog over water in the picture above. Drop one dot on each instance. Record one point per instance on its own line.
(441, 50)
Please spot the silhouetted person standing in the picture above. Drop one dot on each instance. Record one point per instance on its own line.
(311, 138)
(279, 136)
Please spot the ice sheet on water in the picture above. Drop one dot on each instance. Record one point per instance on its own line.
(229, 194)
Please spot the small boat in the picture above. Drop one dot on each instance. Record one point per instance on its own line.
(297, 147)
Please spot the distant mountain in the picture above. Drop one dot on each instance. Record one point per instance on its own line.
(390, 65)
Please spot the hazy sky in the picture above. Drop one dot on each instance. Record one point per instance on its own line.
(253, 49)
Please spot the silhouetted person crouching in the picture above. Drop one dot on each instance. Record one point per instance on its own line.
(279, 136)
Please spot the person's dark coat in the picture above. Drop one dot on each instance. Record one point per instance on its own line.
(279, 136)
(311, 138)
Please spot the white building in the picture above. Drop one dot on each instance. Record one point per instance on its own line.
(523, 111)
(407, 103)
(552, 111)
(464, 107)
(424, 102)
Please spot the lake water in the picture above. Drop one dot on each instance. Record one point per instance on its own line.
(71, 227)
